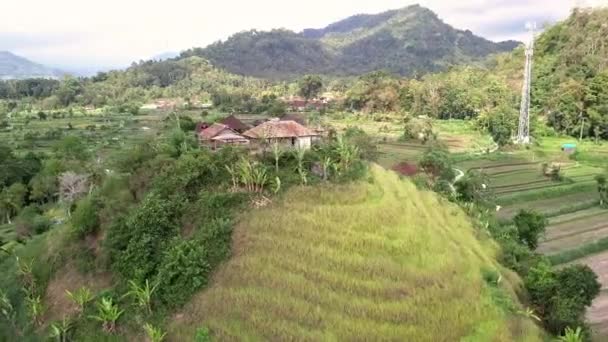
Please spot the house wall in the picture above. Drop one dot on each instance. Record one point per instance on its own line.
(304, 143)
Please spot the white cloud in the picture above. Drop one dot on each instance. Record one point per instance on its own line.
(115, 32)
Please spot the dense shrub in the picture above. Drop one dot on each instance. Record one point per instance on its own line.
(184, 270)
(136, 244)
(84, 219)
(530, 226)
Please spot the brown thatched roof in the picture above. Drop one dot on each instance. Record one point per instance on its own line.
(234, 123)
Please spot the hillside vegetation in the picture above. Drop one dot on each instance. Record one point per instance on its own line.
(367, 261)
(408, 41)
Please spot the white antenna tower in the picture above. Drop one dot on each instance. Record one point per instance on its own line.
(523, 132)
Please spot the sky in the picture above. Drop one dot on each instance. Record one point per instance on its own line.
(94, 34)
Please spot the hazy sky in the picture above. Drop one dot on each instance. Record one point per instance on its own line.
(84, 33)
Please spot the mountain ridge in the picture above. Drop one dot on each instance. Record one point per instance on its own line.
(405, 41)
(13, 66)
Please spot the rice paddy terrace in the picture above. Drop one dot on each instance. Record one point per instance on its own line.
(578, 226)
(390, 263)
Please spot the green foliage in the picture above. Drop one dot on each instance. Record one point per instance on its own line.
(571, 335)
(563, 295)
(84, 219)
(60, 331)
(154, 334)
(530, 227)
(183, 271)
(107, 313)
(136, 243)
(473, 187)
(395, 40)
(142, 294)
(202, 335)
(437, 163)
(81, 297)
(570, 69)
(310, 86)
(71, 148)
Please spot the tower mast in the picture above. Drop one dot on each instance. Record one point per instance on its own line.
(523, 132)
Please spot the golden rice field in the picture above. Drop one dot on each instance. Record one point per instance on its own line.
(374, 261)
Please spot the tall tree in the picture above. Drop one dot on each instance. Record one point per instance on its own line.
(310, 86)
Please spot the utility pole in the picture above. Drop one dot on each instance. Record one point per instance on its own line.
(523, 132)
(582, 127)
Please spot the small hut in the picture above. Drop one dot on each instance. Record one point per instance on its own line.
(218, 135)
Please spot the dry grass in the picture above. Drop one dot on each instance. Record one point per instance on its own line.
(69, 278)
(364, 262)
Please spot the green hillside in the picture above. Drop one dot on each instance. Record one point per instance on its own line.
(408, 41)
(378, 260)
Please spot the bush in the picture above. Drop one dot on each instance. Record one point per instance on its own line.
(84, 219)
(136, 244)
(530, 226)
(202, 335)
(184, 270)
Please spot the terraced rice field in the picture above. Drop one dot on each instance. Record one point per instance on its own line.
(574, 230)
(360, 262)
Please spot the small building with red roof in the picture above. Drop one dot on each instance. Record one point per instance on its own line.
(287, 133)
(218, 135)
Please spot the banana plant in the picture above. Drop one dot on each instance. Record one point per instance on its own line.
(142, 294)
(571, 335)
(80, 297)
(35, 309)
(60, 330)
(154, 334)
(107, 313)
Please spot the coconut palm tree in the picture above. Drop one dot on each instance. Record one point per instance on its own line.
(107, 313)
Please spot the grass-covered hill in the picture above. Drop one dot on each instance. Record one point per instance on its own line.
(408, 41)
(376, 260)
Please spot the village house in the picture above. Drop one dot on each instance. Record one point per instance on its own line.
(218, 135)
(234, 124)
(289, 134)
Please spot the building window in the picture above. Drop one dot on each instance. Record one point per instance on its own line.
(293, 141)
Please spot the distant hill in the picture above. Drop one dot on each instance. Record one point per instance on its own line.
(407, 41)
(17, 67)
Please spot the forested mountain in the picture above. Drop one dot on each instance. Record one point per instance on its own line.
(571, 74)
(408, 41)
(17, 67)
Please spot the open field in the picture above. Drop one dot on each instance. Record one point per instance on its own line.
(570, 231)
(401, 265)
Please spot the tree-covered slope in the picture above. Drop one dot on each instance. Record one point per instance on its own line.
(17, 67)
(571, 73)
(406, 41)
(376, 260)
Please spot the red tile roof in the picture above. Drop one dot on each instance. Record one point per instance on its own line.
(279, 129)
(212, 131)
